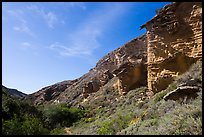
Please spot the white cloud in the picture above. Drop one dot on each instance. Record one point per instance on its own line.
(85, 39)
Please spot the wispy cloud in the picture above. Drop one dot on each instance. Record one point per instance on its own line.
(79, 49)
(85, 39)
(81, 42)
(23, 27)
(49, 17)
(70, 51)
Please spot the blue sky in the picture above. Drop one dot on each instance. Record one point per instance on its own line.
(45, 43)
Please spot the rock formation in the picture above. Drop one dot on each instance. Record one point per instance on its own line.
(187, 92)
(50, 92)
(174, 42)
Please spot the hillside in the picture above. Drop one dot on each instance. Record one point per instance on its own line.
(135, 115)
(14, 92)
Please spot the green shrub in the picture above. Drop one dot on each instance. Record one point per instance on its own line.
(105, 129)
(11, 127)
(33, 126)
(114, 125)
(10, 107)
(27, 126)
(61, 115)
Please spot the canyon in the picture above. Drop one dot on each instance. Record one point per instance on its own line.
(152, 85)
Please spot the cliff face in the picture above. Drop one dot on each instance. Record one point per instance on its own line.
(174, 40)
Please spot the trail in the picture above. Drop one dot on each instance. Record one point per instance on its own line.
(67, 131)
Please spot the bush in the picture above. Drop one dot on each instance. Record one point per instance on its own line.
(9, 108)
(61, 115)
(11, 127)
(114, 125)
(27, 126)
(33, 126)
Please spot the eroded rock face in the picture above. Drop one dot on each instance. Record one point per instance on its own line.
(127, 63)
(174, 40)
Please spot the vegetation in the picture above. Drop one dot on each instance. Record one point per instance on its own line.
(21, 118)
(130, 114)
(61, 115)
(155, 116)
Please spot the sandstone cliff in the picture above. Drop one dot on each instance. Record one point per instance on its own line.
(174, 42)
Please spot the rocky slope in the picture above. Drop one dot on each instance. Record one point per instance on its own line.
(173, 42)
(127, 65)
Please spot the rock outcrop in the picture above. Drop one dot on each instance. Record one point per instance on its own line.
(49, 93)
(174, 42)
(183, 93)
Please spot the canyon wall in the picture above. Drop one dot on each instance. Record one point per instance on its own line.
(174, 42)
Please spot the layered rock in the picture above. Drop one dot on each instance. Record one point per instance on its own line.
(174, 40)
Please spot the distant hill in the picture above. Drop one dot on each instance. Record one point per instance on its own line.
(14, 92)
